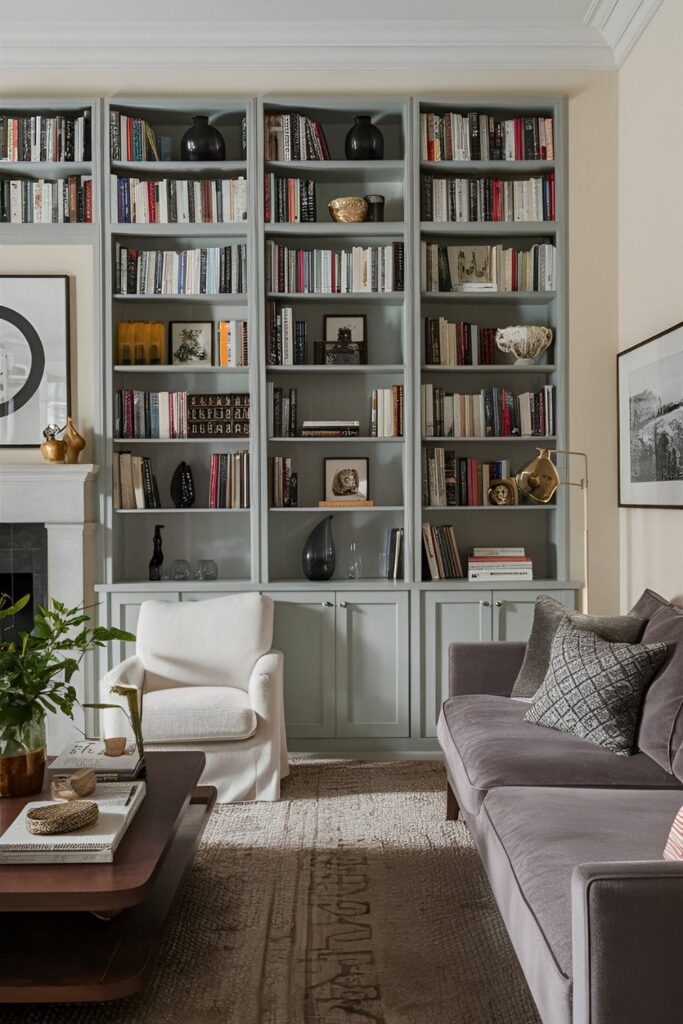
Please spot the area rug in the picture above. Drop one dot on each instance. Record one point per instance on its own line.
(351, 901)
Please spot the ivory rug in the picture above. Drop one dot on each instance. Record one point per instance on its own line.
(351, 901)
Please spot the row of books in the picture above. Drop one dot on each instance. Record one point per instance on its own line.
(168, 415)
(476, 136)
(285, 336)
(493, 412)
(178, 200)
(461, 200)
(134, 484)
(289, 201)
(373, 268)
(294, 137)
(450, 343)
(131, 138)
(205, 271)
(386, 412)
(29, 201)
(393, 553)
(48, 138)
(491, 565)
(487, 268)
(448, 480)
(441, 558)
(229, 480)
(282, 483)
(282, 411)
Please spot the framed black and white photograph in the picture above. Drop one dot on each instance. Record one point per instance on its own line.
(34, 357)
(346, 479)
(191, 341)
(650, 385)
(353, 327)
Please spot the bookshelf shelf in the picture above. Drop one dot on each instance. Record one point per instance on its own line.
(244, 442)
(494, 168)
(180, 168)
(526, 439)
(164, 369)
(176, 511)
(45, 168)
(336, 440)
(385, 298)
(368, 369)
(489, 508)
(490, 228)
(328, 510)
(511, 298)
(495, 368)
(229, 229)
(330, 230)
(219, 299)
(338, 170)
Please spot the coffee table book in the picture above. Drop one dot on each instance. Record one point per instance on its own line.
(91, 754)
(118, 803)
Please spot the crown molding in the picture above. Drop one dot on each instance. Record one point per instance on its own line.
(621, 23)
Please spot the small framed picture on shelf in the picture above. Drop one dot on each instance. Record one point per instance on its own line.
(347, 481)
(344, 341)
(191, 341)
(353, 327)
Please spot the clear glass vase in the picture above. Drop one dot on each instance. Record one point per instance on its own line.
(22, 757)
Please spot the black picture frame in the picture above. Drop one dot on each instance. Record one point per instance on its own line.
(357, 322)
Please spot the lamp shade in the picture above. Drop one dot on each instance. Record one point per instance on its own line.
(539, 479)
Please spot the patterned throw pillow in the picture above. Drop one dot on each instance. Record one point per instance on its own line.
(674, 844)
(594, 689)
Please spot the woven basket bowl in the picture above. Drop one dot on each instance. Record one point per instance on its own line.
(60, 818)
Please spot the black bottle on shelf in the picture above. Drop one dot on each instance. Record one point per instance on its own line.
(157, 559)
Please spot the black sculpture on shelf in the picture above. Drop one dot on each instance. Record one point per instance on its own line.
(318, 557)
(364, 141)
(202, 141)
(182, 487)
(157, 559)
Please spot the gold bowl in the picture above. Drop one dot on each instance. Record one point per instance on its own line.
(348, 209)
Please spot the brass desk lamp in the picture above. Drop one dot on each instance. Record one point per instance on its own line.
(539, 480)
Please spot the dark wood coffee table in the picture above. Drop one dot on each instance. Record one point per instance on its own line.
(53, 947)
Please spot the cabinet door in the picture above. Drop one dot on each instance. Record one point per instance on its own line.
(372, 664)
(125, 610)
(513, 611)
(454, 617)
(304, 632)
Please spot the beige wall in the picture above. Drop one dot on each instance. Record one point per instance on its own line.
(650, 265)
(593, 253)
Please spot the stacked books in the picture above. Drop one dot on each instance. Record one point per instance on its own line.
(372, 268)
(118, 803)
(132, 138)
(474, 136)
(166, 415)
(459, 200)
(282, 408)
(289, 201)
(285, 336)
(229, 480)
(107, 767)
(449, 480)
(393, 553)
(494, 565)
(440, 553)
(294, 137)
(330, 428)
(178, 200)
(134, 484)
(386, 412)
(48, 138)
(282, 483)
(494, 412)
(65, 201)
(206, 271)
(487, 268)
(458, 344)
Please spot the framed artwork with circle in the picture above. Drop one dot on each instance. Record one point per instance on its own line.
(34, 357)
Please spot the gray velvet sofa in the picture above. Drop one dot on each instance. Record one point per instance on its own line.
(571, 836)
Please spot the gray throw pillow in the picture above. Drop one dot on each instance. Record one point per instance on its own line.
(660, 733)
(648, 604)
(548, 614)
(594, 689)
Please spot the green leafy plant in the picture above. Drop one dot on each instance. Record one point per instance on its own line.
(36, 669)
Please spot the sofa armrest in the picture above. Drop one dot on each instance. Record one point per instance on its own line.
(130, 672)
(626, 936)
(484, 667)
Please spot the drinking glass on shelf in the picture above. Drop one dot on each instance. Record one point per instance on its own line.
(382, 565)
(206, 569)
(354, 562)
(180, 569)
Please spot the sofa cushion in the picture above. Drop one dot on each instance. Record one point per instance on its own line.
(201, 714)
(594, 689)
(661, 725)
(487, 743)
(648, 604)
(548, 614)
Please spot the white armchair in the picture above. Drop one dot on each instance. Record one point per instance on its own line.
(209, 681)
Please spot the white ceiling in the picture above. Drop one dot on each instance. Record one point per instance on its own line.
(386, 34)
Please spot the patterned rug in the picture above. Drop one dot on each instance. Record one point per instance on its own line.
(351, 901)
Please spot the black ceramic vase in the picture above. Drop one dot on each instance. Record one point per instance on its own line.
(317, 557)
(364, 141)
(202, 141)
(182, 487)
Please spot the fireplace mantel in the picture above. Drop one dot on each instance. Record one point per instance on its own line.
(50, 492)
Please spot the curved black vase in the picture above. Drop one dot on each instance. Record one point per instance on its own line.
(202, 141)
(182, 487)
(364, 141)
(317, 557)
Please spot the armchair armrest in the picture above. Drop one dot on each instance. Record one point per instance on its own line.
(130, 672)
(626, 935)
(484, 667)
(265, 685)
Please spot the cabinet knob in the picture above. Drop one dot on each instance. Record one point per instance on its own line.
(485, 604)
(499, 604)
(327, 604)
(342, 604)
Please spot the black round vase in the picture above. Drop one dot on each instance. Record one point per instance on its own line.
(182, 486)
(364, 141)
(317, 557)
(202, 141)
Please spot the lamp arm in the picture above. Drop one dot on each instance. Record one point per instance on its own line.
(582, 455)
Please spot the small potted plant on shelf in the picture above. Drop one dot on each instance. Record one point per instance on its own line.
(36, 670)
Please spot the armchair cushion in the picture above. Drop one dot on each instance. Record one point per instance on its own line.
(203, 714)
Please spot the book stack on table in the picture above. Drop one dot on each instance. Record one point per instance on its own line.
(491, 565)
